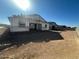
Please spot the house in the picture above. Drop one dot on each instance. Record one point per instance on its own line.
(52, 25)
(21, 23)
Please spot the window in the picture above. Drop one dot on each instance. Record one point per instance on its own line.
(21, 25)
(45, 26)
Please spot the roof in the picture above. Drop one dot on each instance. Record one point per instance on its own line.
(31, 15)
(37, 15)
(52, 23)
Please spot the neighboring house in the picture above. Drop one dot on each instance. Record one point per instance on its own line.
(61, 27)
(52, 25)
(21, 23)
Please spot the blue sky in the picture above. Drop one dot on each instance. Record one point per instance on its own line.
(65, 12)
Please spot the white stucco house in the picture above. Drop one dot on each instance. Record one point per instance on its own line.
(21, 23)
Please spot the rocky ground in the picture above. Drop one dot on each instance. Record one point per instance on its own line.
(67, 48)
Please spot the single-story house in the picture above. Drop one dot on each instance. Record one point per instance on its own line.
(52, 25)
(21, 23)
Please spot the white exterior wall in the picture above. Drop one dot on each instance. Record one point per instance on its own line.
(18, 29)
(45, 28)
(15, 24)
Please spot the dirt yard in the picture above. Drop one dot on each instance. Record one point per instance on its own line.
(65, 48)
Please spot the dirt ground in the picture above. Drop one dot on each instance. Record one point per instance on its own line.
(68, 48)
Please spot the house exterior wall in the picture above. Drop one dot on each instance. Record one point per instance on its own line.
(15, 20)
(45, 28)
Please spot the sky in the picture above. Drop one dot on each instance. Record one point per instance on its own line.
(63, 12)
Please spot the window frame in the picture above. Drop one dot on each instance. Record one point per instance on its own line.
(21, 24)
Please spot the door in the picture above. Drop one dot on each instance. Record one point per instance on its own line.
(34, 26)
(39, 27)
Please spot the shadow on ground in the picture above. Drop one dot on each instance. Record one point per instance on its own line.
(25, 37)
